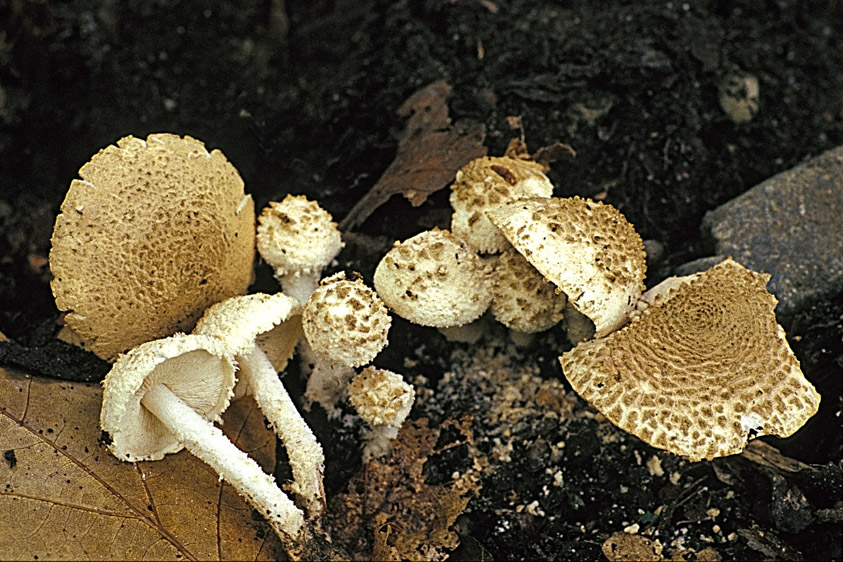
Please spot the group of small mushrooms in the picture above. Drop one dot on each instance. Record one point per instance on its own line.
(158, 238)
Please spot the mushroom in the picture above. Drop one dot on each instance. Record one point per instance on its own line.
(584, 247)
(523, 300)
(262, 331)
(345, 326)
(383, 400)
(156, 231)
(298, 239)
(485, 183)
(434, 279)
(704, 369)
(163, 396)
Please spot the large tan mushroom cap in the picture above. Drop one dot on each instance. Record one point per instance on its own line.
(485, 183)
(345, 322)
(522, 299)
(154, 233)
(297, 236)
(434, 279)
(586, 248)
(198, 369)
(701, 371)
(271, 321)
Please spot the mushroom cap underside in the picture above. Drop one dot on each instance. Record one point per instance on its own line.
(700, 372)
(156, 231)
(586, 248)
(198, 369)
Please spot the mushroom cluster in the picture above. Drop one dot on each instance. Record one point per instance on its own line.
(663, 365)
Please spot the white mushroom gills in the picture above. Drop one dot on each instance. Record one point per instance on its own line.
(162, 396)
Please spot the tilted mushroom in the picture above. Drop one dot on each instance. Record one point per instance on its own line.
(345, 325)
(434, 279)
(523, 300)
(262, 331)
(584, 247)
(704, 369)
(163, 395)
(383, 400)
(485, 183)
(156, 231)
(298, 239)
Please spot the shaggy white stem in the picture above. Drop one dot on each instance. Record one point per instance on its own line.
(306, 457)
(208, 443)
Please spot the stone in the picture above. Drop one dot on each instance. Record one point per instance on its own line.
(790, 226)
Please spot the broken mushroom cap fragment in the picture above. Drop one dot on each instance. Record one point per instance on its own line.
(434, 279)
(163, 395)
(383, 400)
(298, 239)
(262, 331)
(523, 300)
(156, 231)
(584, 247)
(700, 372)
(345, 325)
(485, 183)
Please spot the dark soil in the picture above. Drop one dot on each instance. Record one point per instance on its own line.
(303, 98)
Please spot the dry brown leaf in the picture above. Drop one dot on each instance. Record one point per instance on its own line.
(64, 497)
(390, 512)
(430, 151)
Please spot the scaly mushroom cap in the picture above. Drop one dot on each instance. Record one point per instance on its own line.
(434, 279)
(345, 322)
(701, 371)
(297, 236)
(154, 233)
(271, 321)
(522, 299)
(485, 183)
(381, 397)
(584, 247)
(197, 369)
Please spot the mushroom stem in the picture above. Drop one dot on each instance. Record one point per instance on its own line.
(208, 443)
(326, 384)
(299, 285)
(306, 457)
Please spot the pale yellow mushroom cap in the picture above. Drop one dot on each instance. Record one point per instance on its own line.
(522, 299)
(586, 248)
(273, 322)
(345, 322)
(197, 369)
(381, 397)
(434, 279)
(485, 183)
(701, 371)
(154, 233)
(297, 236)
